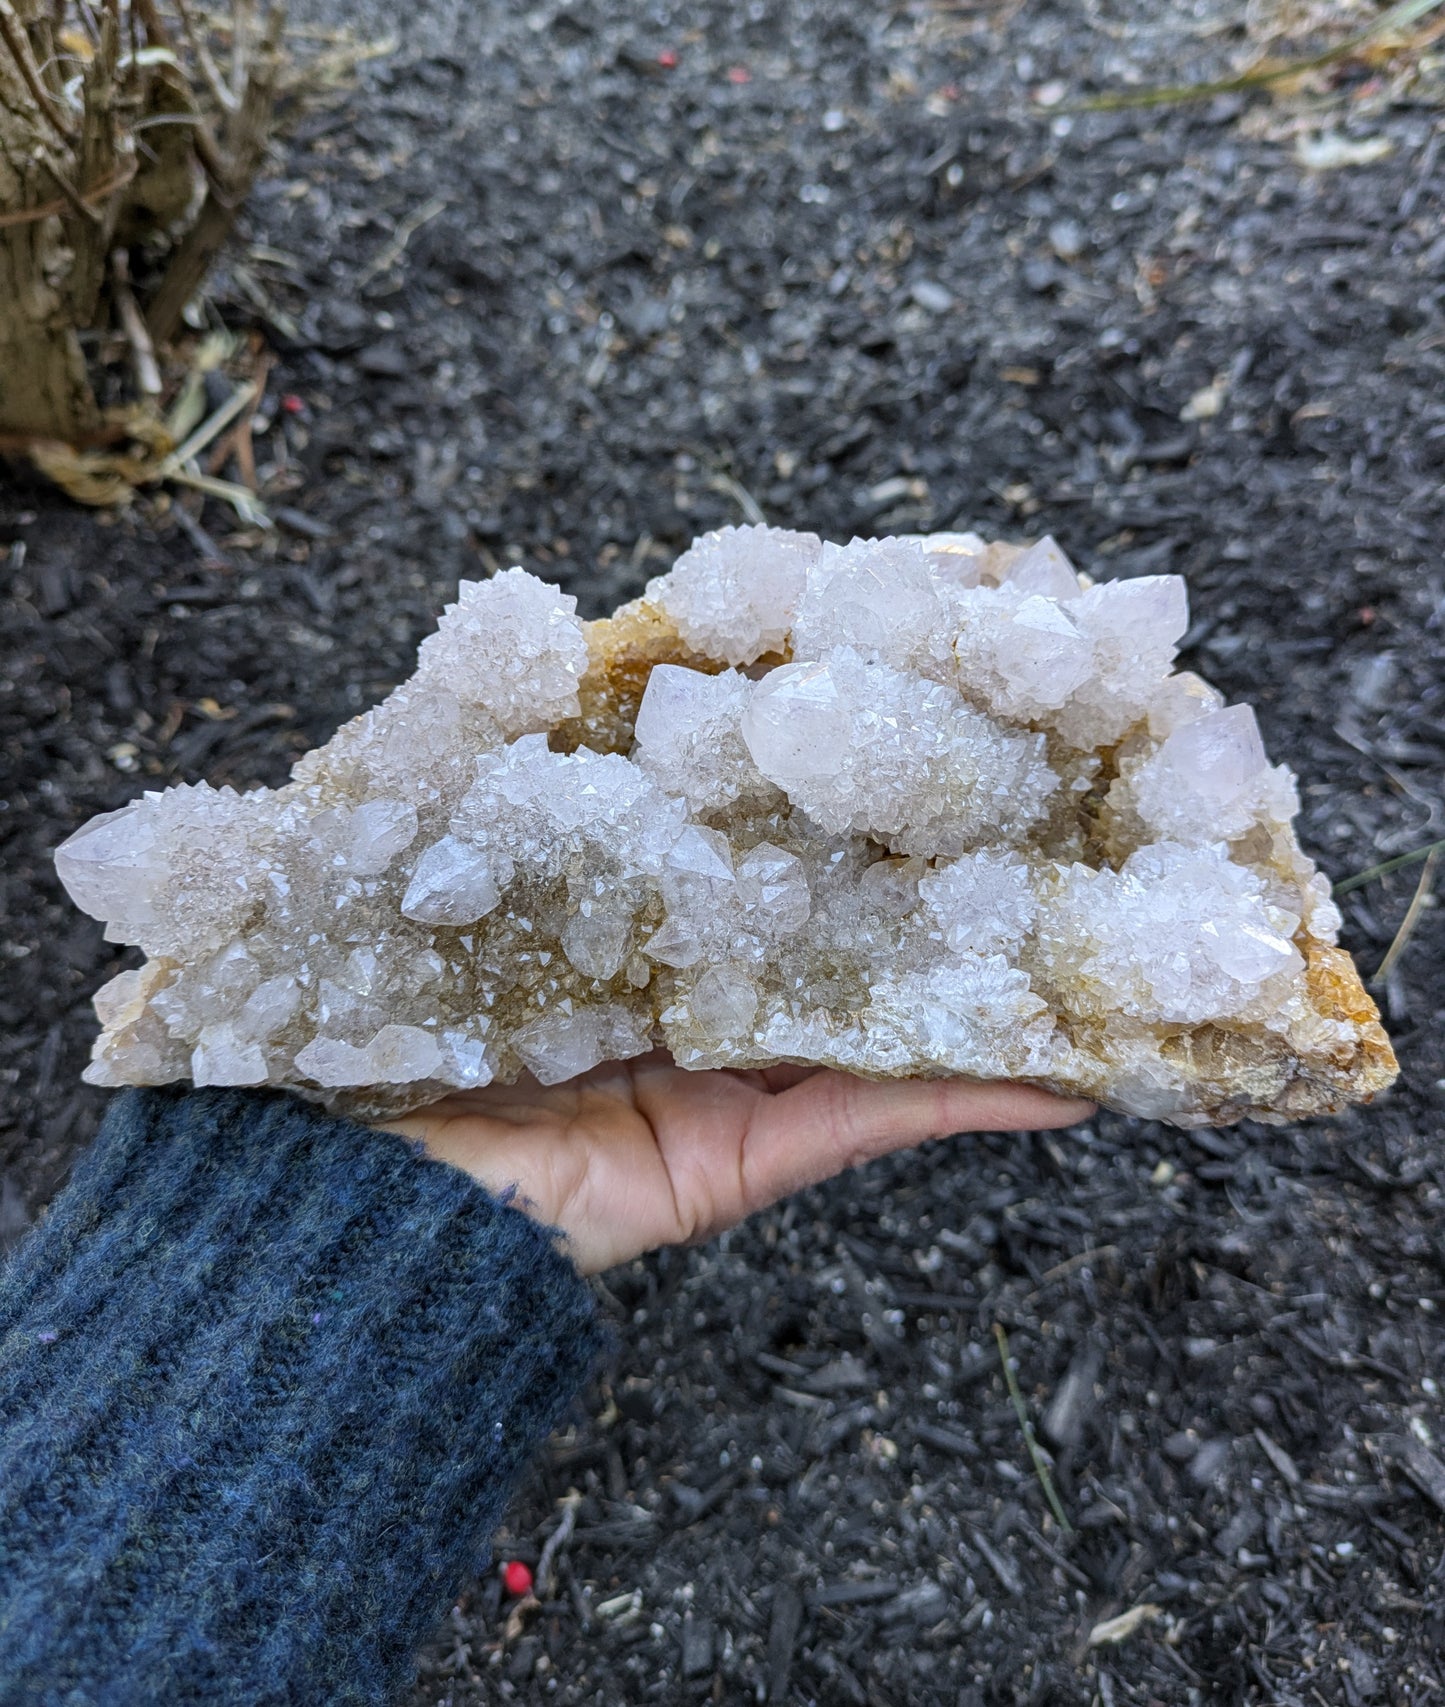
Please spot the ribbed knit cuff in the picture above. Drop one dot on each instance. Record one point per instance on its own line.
(267, 1379)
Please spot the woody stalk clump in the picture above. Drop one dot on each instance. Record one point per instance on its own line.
(129, 137)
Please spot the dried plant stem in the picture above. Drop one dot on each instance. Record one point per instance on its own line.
(1021, 1410)
(113, 115)
(208, 430)
(403, 235)
(555, 1542)
(241, 26)
(1397, 18)
(252, 126)
(1411, 918)
(71, 195)
(220, 91)
(12, 31)
(132, 321)
(1361, 878)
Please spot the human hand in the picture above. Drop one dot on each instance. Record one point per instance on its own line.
(642, 1153)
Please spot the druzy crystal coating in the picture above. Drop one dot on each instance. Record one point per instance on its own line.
(900, 806)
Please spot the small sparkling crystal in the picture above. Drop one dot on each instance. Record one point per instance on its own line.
(907, 806)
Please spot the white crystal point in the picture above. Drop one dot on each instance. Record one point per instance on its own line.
(512, 646)
(121, 999)
(1180, 699)
(983, 902)
(864, 748)
(796, 726)
(106, 866)
(270, 1006)
(699, 890)
(773, 886)
(733, 594)
(723, 1003)
(598, 939)
(974, 826)
(876, 597)
(976, 1015)
(1177, 936)
(1135, 627)
(146, 869)
(222, 1057)
(1043, 569)
(561, 1045)
(1020, 654)
(396, 1055)
(689, 736)
(452, 884)
(364, 841)
(1203, 783)
(954, 559)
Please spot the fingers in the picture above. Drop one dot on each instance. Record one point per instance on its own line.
(832, 1121)
(787, 1074)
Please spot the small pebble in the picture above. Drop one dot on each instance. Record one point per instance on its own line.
(930, 295)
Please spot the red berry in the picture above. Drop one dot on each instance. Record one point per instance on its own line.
(740, 74)
(292, 404)
(667, 59)
(517, 1577)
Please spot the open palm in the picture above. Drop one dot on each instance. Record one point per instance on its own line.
(641, 1153)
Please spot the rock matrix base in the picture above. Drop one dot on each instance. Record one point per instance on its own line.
(902, 806)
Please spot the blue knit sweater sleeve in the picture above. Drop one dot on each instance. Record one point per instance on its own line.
(267, 1379)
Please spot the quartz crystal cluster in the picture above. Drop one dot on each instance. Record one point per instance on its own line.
(900, 806)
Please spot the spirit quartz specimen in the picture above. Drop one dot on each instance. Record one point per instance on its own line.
(902, 806)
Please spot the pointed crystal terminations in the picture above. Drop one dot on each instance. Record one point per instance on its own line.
(904, 806)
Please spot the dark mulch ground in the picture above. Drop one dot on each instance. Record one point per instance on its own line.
(828, 259)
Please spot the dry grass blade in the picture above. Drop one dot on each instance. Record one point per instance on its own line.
(1396, 18)
(1361, 878)
(740, 495)
(1041, 1469)
(1411, 918)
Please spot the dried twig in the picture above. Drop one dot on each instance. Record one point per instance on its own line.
(195, 39)
(555, 1542)
(208, 429)
(99, 191)
(157, 35)
(387, 258)
(68, 190)
(250, 127)
(237, 442)
(13, 32)
(132, 321)
(244, 503)
(1411, 918)
(241, 18)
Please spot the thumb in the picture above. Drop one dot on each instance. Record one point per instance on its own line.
(832, 1121)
